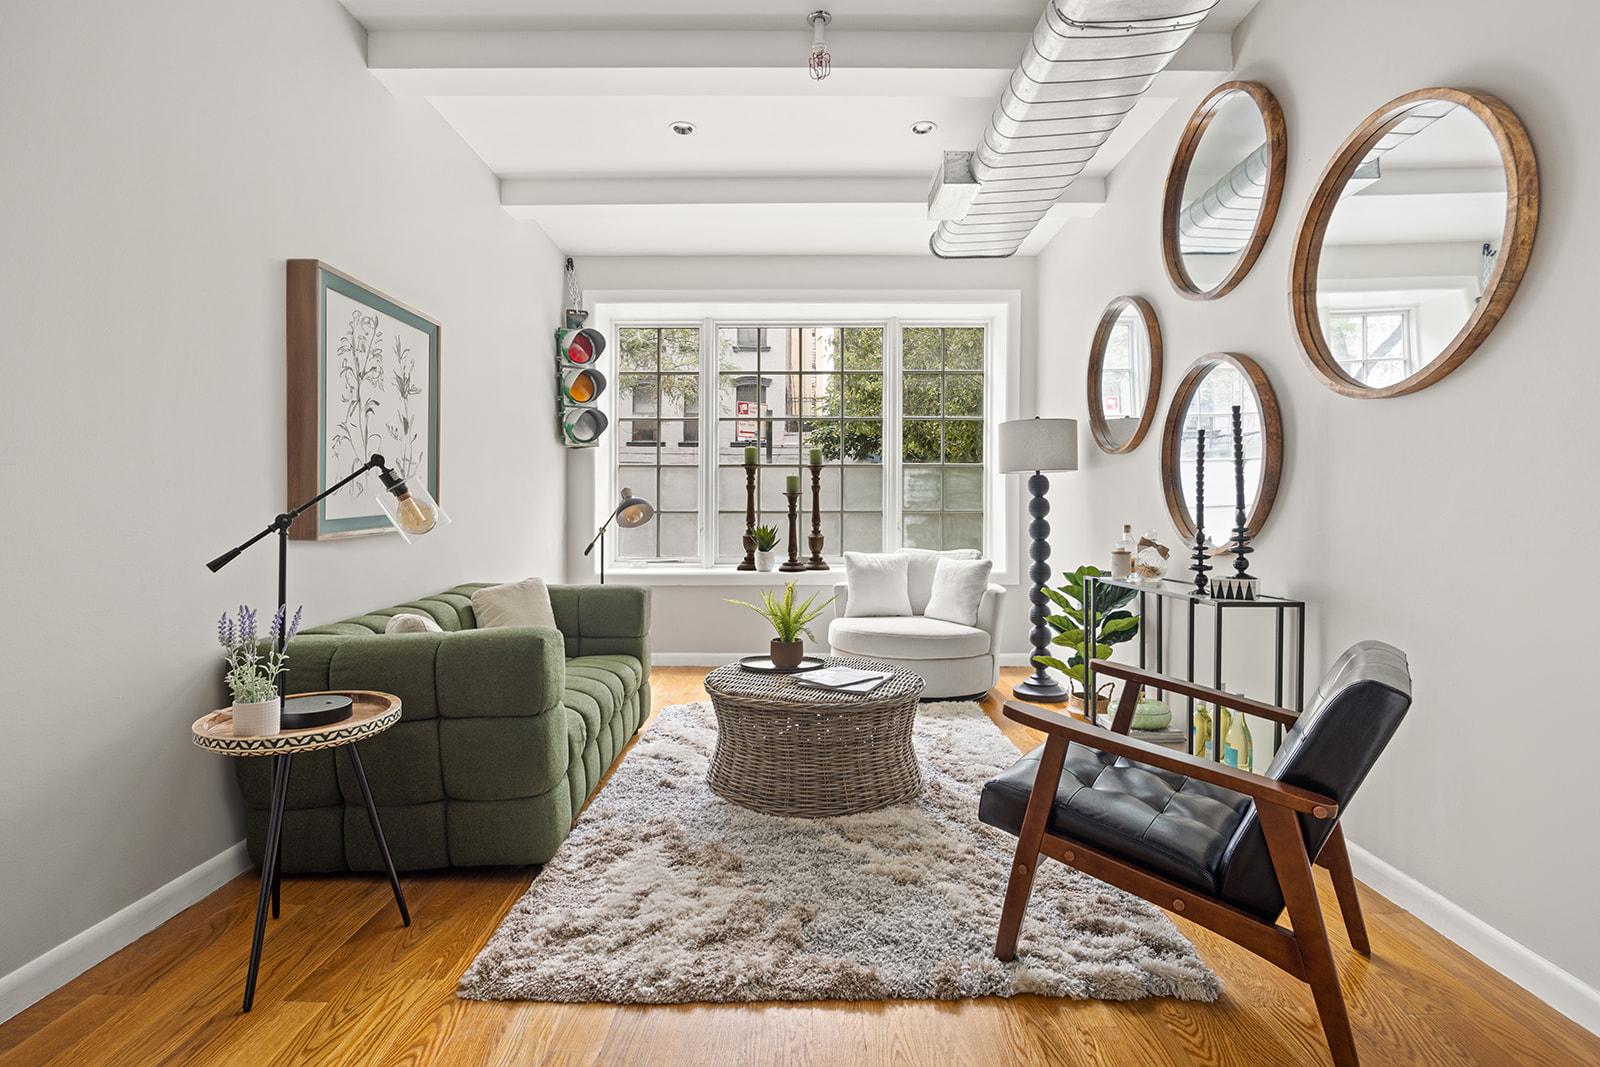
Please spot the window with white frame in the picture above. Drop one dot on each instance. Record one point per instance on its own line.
(897, 411)
(1374, 347)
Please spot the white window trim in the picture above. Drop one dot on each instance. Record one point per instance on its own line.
(998, 311)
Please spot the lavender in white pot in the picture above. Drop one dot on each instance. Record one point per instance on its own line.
(252, 676)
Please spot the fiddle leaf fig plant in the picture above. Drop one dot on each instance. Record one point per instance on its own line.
(1113, 625)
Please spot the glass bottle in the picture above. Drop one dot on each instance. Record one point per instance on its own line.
(1122, 555)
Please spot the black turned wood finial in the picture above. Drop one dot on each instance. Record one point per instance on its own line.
(1241, 521)
(1201, 560)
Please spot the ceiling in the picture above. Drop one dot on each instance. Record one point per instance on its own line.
(573, 107)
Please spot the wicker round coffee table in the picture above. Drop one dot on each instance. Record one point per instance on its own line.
(785, 749)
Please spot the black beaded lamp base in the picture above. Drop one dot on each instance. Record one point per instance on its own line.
(1039, 687)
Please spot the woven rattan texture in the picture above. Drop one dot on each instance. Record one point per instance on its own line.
(785, 749)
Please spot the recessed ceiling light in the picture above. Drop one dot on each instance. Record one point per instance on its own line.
(923, 127)
(683, 129)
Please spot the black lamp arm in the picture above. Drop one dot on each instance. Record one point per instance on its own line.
(391, 482)
(593, 541)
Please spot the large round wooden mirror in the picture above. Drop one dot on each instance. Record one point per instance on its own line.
(1414, 242)
(1124, 374)
(1205, 399)
(1223, 189)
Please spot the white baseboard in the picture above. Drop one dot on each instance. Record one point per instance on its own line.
(40, 977)
(1562, 991)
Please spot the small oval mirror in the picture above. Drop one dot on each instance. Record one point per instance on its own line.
(1124, 374)
(1204, 400)
(1223, 189)
(1414, 242)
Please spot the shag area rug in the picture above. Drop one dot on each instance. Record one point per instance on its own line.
(665, 894)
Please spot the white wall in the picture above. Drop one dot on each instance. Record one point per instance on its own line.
(719, 628)
(1451, 522)
(163, 159)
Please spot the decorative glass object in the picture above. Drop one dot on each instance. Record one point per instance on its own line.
(1150, 559)
(1151, 713)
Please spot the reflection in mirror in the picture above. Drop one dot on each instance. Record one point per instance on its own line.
(1222, 192)
(1124, 374)
(1204, 401)
(1211, 409)
(1411, 244)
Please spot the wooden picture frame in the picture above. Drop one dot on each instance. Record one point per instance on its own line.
(363, 377)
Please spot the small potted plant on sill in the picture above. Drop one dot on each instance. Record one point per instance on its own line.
(1112, 626)
(766, 539)
(789, 620)
(253, 666)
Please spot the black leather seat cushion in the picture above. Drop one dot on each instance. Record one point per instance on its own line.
(1164, 822)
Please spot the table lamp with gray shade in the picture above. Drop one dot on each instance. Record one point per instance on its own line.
(1037, 445)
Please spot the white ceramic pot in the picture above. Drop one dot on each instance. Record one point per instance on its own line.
(766, 561)
(259, 719)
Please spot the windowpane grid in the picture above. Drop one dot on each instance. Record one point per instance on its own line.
(784, 391)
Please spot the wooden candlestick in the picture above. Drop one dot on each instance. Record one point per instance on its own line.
(793, 563)
(816, 562)
(749, 562)
(1201, 560)
(1241, 521)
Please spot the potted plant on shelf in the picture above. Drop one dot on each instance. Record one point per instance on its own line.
(1112, 626)
(766, 539)
(789, 620)
(253, 666)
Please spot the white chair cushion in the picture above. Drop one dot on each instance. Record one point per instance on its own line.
(922, 565)
(877, 584)
(910, 637)
(525, 603)
(958, 588)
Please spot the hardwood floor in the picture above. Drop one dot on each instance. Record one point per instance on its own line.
(343, 983)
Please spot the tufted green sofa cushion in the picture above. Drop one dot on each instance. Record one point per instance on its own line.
(503, 733)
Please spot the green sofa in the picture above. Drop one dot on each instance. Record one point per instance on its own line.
(503, 733)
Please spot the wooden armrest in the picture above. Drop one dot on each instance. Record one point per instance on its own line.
(1140, 677)
(1255, 786)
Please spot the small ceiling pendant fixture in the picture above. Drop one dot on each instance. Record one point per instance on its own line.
(924, 127)
(820, 62)
(682, 129)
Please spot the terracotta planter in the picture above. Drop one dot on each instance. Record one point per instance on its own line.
(788, 653)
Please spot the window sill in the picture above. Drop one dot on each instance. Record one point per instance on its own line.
(727, 576)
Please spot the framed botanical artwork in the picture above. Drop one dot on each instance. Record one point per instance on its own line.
(363, 379)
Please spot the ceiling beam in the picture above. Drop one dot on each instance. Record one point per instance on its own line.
(1085, 193)
(682, 62)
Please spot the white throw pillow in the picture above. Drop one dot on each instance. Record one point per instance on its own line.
(876, 584)
(919, 573)
(525, 603)
(958, 587)
(407, 623)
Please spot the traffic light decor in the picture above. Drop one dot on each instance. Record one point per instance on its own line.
(579, 383)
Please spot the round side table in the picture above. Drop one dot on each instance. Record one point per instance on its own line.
(786, 749)
(370, 714)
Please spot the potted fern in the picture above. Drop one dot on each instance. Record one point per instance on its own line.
(1113, 626)
(766, 539)
(789, 620)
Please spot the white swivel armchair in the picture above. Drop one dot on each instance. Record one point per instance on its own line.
(955, 661)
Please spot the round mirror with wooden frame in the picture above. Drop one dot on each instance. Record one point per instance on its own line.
(1205, 397)
(1124, 374)
(1223, 189)
(1414, 242)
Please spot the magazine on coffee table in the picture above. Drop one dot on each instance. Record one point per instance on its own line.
(843, 679)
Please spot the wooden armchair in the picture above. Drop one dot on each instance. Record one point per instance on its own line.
(1226, 848)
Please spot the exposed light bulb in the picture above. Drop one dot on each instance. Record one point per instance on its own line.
(634, 515)
(413, 516)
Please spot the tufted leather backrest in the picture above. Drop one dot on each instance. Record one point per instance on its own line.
(1345, 727)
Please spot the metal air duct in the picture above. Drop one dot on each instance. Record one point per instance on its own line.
(1086, 65)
